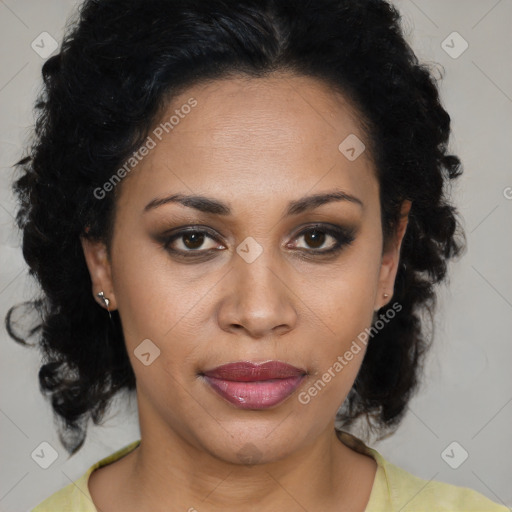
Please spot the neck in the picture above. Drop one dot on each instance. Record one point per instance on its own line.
(167, 469)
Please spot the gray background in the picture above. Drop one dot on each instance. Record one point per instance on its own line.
(467, 393)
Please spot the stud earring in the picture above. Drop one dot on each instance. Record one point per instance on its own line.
(106, 301)
(385, 295)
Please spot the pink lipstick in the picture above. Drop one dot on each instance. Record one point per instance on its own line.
(254, 386)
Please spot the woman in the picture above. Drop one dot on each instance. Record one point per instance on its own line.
(238, 210)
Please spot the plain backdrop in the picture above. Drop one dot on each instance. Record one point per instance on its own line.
(466, 396)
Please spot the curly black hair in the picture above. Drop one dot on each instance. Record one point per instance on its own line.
(120, 63)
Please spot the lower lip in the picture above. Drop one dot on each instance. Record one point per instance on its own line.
(256, 394)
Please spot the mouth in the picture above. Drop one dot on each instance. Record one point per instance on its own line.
(249, 385)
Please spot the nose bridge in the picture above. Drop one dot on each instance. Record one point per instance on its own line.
(257, 280)
(259, 299)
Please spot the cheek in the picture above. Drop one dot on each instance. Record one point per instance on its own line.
(343, 301)
(148, 299)
(160, 303)
(345, 297)
(337, 358)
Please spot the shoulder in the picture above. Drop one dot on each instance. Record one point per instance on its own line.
(395, 489)
(75, 496)
(409, 493)
(70, 497)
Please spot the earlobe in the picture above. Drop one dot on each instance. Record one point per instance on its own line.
(98, 264)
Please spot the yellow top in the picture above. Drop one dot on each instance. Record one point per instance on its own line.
(394, 489)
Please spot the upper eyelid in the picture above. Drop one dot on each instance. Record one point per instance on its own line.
(193, 228)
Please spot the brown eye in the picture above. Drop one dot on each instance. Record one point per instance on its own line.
(324, 240)
(315, 238)
(318, 240)
(193, 240)
(187, 242)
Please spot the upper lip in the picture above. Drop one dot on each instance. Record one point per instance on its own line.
(247, 371)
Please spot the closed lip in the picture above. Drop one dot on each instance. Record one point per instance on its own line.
(247, 371)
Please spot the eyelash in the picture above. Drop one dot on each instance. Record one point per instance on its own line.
(343, 237)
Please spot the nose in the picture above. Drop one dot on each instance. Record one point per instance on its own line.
(259, 299)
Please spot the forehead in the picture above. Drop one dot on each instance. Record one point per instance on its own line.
(242, 112)
(252, 136)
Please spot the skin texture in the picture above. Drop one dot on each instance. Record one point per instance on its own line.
(255, 144)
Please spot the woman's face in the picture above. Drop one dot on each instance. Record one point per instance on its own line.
(252, 280)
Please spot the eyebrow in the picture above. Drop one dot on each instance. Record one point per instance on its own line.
(213, 206)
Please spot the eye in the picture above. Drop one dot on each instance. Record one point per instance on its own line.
(323, 239)
(190, 241)
(318, 239)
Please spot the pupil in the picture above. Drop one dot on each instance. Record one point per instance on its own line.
(317, 238)
(196, 238)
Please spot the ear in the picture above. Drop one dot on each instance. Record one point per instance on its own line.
(391, 259)
(96, 257)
